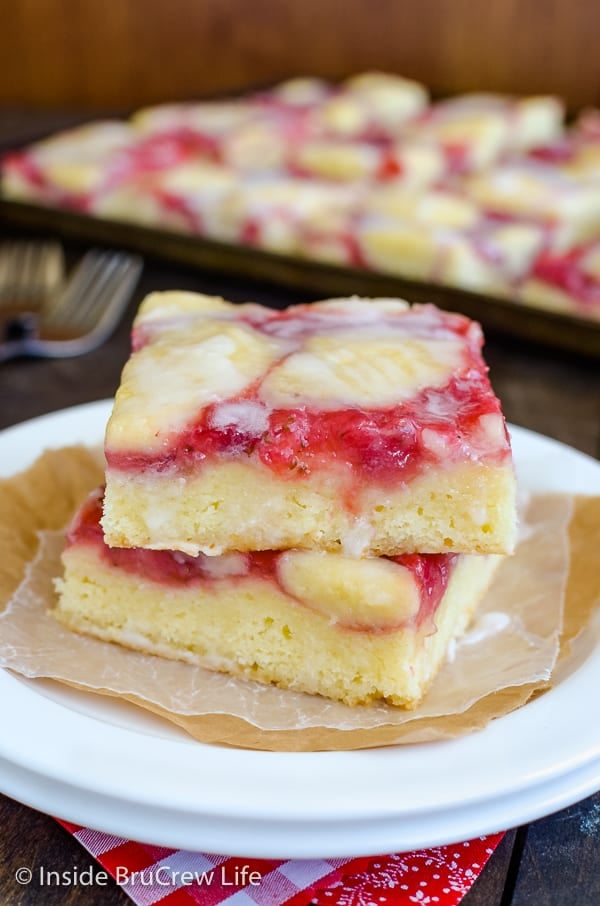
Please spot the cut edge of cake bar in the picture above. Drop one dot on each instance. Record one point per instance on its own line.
(203, 354)
(251, 629)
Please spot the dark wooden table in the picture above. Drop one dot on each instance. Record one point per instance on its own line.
(551, 862)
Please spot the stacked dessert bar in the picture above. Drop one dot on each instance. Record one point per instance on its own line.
(486, 192)
(315, 497)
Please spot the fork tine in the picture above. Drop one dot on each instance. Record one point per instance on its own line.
(85, 320)
(47, 269)
(5, 270)
(30, 283)
(64, 305)
(29, 272)
(108, 299)
(23, 280)
(103, 286)
(10, 271)
(21, 271)
(81, 279)
(51, 267)
(80, 317)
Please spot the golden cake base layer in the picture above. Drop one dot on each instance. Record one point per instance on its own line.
(467, 508)
(249, 627)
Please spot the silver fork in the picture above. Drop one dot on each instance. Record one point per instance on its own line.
(30, 273)
(82, 315)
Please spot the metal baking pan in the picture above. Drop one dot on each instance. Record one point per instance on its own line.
(558, 330)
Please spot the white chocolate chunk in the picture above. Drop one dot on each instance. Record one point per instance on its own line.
(443, 209)
(336, 160)
(492, 428)
(481, 133)
(301, 91)
(84, 144)
(462, 265)
(374, 592)
(410, 250)
(233, 564)
(422, 164)
(198, 178)
(257, 146)
(75, 177)
(539, 122)
(158, 306)
(76, 160)
(246, 416)
(130, 203)
(358, 539)
(510, 189)
(436, 208)
(342, 115)
(436, 442)
(390, 98)
(357, 310)
(213, 118)
(517, 244)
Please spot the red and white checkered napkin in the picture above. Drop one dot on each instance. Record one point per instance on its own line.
(154, 874)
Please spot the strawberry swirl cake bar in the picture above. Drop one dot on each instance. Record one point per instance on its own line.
(476, 130)
(348, 629)
(567, 281)
(72, 168)
(358, 426)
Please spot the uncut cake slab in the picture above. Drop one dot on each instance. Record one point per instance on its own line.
(359, 426)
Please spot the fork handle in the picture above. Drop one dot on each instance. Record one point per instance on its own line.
(19, 327)
(15, 332)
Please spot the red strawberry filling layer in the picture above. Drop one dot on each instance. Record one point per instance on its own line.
(385, 445)
(430, 572)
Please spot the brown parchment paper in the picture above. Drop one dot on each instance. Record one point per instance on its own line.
(508, 655)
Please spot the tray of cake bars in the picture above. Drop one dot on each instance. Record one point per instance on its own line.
(482, 203)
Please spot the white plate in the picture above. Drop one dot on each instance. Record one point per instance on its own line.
(99, 762)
